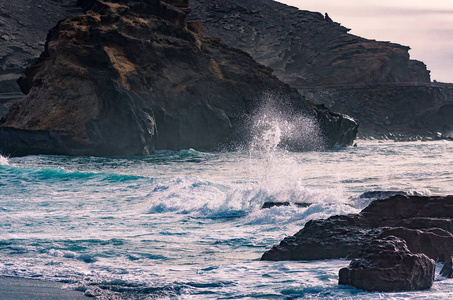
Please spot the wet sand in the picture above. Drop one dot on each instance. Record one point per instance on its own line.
(12, 288)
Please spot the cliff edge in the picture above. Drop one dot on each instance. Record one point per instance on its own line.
(129, 76)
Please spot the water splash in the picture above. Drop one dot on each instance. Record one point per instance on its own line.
(275, 125)
(3, 161)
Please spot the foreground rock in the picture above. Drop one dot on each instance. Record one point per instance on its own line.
(387, 265)
(374, 82)
(425, 223)
(128, 77)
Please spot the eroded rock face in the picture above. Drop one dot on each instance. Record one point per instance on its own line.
(128, 77)
(374, 82)
(425, 223)
(23, 28)
(387, 265)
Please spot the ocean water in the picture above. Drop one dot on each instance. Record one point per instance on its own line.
(189, 225)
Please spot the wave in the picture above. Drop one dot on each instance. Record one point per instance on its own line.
(366, 198)
(61, 174)
(181, 156)
(204, 199)
(3, 161)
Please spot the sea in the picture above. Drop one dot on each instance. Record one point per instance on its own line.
(190, 224)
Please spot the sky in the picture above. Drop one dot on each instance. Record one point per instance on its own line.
(425, 26)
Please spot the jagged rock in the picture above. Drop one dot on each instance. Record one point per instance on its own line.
(447, 269)
(128, 77)
(435, 243)
(427, 228)
(387, 265)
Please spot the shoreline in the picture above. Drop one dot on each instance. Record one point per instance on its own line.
(19, 288)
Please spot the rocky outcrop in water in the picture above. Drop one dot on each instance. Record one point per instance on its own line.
(393, 243)
(128, 77)
(425, 223)
(387, 265)
(374, 82)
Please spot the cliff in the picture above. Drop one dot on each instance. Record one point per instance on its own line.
(374, 82)
(128, 77)
(23, 28)
(306, 48)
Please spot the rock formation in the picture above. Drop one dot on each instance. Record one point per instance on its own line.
(305, 48)
(128, 77)
(374, 82)
(425, 223)
(387, 265)
(23, 28)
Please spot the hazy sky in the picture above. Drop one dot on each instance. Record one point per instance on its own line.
(425, 26)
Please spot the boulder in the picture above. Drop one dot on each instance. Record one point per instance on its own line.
(434, 242)
(425, 223)
(387, 265)
(128, 77)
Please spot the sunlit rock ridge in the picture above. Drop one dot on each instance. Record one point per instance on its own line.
(128, 76)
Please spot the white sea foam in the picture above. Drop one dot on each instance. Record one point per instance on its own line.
(192, 226)
(3, 161)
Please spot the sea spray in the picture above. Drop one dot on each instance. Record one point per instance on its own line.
(276, 125)
(3, 161)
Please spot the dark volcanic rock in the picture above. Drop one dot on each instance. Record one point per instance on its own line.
(305, 48)
(425, 223)
(387, 265)
(129, 77)
(24, 25)
(395, 111)
(278, 204)
(436, 243)
(374, 82)
(17, 142)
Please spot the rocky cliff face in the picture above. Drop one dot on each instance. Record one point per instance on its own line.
(374, 82)
(23, 28)
(306, 48)
(128, 77)
(396, 111)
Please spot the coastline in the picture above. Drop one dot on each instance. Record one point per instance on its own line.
(35, 289)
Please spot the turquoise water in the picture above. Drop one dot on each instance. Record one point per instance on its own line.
(188, 224)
